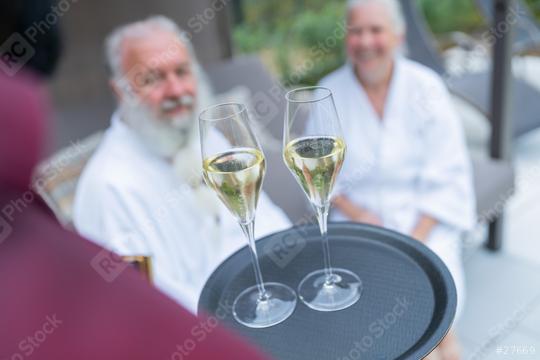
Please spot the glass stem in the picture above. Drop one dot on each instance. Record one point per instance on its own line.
(322, 218)
(249, 231)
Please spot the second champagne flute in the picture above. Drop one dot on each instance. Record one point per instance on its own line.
(314, 151)
(234, 167)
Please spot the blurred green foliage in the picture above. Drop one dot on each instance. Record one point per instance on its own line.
(291, 32)
(302, 40)
(534, 5)
(445, 16)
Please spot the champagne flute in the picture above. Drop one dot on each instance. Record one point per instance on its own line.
(314, 151)
(234, 167)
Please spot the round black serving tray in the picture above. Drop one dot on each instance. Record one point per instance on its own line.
(407, 304)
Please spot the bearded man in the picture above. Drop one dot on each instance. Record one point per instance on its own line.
(142, 192)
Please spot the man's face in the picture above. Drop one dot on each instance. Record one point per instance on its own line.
(371, 41)
(158, 69)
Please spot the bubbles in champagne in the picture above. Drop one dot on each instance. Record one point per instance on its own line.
(237, 177)
(315, 147)
(315, 162)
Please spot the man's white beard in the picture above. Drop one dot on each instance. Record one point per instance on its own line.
(176, 139)
(165, 137)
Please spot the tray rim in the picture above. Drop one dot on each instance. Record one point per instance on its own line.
(447, 319)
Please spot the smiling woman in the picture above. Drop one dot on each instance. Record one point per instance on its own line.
(400, 125)
(375, 31)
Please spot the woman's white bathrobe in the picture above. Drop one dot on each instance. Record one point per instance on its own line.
(411, 162)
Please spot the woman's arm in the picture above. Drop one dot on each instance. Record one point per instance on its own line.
(355, 212)
(423, 227)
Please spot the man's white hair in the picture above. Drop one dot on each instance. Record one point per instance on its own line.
(392, 6)
(114, 51)
(114, 44)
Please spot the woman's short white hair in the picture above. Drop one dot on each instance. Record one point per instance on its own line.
(394, 10)
(114, 42)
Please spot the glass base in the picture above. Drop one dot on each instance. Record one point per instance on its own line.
(253, 312)
(342, 290)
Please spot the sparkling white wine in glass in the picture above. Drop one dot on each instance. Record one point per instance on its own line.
(237, 176)
(234, 167)
(314, 151)
(315, 161)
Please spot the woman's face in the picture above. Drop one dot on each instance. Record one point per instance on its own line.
(371, 42)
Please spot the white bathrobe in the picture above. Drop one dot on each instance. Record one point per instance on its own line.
(131, 201)
(411, 162)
